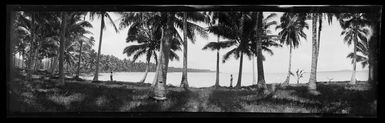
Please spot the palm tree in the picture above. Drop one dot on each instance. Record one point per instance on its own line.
(374, 21)
(101, 14)
(188, 31)
(316, 17)
(214, 45)
(292, 25)
(231, 26)
(148, 37)
(353, 26)
(64, 16)
(362, 48)
(86, 41)
(263, 40)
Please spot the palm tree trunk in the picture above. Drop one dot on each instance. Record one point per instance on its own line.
(54, 65)
(11, 69)
(286, 82)
(184, 82)
(373, 54)
(159, 89)
(313, 72)
(36, 60)
(353, 79)
(96, 76)
(261, 73)
(241, 60)
(240, 72)
(22, 61)
(30, 57)
(252, 62)
(217, 72)
(157, 69)
(145, 74)
(80, 58)
(62, 41)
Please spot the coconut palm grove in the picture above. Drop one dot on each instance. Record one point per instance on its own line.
(56, 63)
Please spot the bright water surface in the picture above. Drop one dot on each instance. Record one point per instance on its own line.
(206, 79)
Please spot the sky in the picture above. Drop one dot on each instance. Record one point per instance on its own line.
(332, 53)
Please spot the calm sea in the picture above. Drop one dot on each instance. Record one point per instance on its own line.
(206, 79)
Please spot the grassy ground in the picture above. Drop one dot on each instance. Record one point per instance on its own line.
(83, 96)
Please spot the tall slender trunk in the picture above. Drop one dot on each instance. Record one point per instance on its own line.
(62, 41)
(145, 74)
(96, 75)
(217, 72)
(241, 59)
(353, 79)
(11, 44)
(286, 82)
(80, 59)
(313, 72)
(240, 72)
(253, 68)
(54, 65)
(160, 90)
(30, 57)
(184, 82)
(22, 61)
(373, 54)
(261, 73)
(35, 59)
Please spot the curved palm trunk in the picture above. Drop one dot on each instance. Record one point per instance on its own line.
(61, 49)
(156, 70)
(96, 76)
(261, 74)
(286, 82)
(145, 74)
(353, 79)
(80, 58)
(217, 72)
(184, 82)
(313, 71)
(240, 72)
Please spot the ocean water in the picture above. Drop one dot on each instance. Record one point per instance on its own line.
(206, 79)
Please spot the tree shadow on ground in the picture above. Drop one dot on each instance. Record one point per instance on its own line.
(226, 100)
(336, 98)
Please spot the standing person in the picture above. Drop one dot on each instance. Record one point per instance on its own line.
(111, 77)
(231, 80)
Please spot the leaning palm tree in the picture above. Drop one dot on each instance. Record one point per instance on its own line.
(292, 25)
(362, 54)
(101, 14)
(353, 25)
(148, 39)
